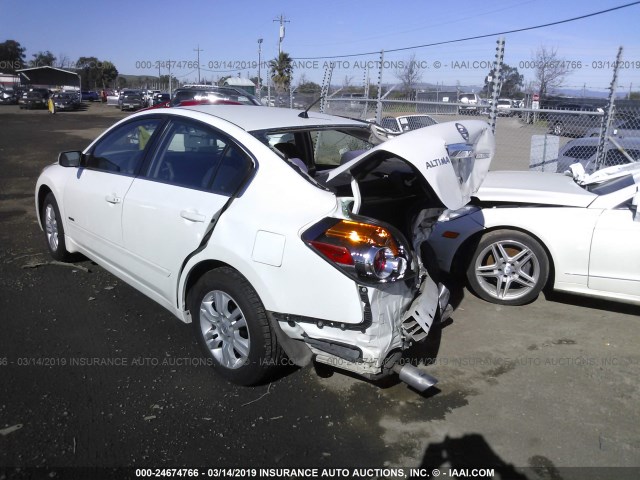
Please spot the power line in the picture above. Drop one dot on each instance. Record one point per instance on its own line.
(559, 22)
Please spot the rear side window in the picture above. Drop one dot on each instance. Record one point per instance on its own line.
(122, 150)
(193, 155)
(234, 168)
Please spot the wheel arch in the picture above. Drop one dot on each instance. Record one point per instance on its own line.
(43, 191)
(194, 274)
(467, 248)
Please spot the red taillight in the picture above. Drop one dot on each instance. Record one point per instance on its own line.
(334, 253)
(361, 249)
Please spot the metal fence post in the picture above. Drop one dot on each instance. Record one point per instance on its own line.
(379, 99)
(326, 83)
(366, 93)
(608, 113)
(497, 84)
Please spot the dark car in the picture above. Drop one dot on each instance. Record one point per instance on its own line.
(160, 98)
(8, 97)
(35, 99)
(131, 101)
(574, 120)
(64, 101)
(90, 96)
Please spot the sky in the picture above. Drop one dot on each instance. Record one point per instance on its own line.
(140, 37)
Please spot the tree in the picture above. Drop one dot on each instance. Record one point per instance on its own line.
(109, 73)
(281, 70)
(308, 87)
(512, 83)
(11, 56)
(409, 74)
(95, 73)
(43, 59)
(551, 70)
(63, 61)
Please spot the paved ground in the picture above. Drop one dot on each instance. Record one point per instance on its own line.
(92, 373)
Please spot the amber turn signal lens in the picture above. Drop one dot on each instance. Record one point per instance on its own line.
(358, 233)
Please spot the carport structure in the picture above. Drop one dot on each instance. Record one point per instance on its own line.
(49, 76)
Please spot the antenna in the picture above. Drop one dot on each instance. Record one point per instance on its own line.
(305, 114)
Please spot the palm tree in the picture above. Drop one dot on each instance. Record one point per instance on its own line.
(281, 70)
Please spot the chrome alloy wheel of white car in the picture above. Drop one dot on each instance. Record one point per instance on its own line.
(54, 229)
(51, 226)
(232, 327)
(508, 267)
(224, 328)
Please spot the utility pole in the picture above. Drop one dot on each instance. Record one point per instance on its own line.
(198, 50)
(281, 33)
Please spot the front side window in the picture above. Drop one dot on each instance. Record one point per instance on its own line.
(122, 150)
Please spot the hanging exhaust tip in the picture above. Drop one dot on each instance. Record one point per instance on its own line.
(414, 377)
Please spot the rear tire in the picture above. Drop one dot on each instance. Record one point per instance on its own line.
(232, 328)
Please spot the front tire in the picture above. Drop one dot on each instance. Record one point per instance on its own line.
(508, 268)
(54, 230)
(232, 328)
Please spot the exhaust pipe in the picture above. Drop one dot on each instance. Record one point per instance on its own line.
(414, 377)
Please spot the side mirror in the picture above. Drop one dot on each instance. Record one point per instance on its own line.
(69, 159)
(635, 201)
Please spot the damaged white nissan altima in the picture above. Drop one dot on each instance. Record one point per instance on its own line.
(273, 231)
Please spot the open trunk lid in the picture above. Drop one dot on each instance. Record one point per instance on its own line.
(452, 157)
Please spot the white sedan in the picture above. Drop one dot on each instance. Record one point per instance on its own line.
(528, 230)
(205, 211)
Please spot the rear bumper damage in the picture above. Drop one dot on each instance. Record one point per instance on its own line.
(395, 316)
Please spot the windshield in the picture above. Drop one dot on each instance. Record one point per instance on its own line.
(611, 186)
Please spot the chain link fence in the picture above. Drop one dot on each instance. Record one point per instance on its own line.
(549, 135)
(548, 139)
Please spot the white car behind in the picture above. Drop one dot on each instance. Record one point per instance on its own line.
(530, 230)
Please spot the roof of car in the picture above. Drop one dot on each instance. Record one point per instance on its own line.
(250, 118)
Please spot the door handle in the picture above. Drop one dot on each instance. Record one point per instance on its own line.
(112, 199)
(192, 216)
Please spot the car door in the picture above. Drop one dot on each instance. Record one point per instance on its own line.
(93, 197)
(614, 264)
(174, 203)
